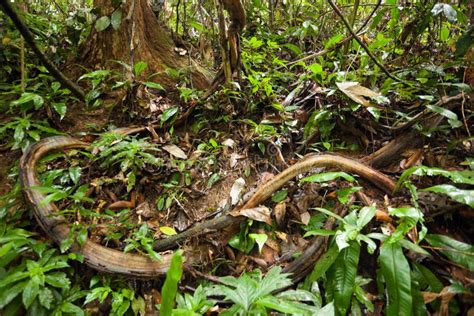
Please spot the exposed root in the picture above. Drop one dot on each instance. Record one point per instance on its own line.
(113, 261)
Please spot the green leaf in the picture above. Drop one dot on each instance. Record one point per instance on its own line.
(102, 23)
(295, 49)
(116, 19)
(30, 292)
(82, 237)
(60, 108)
(457, 251)
(280, 196)
(132, 178)
(70, 308)
(154, 85)
(27, 97)
(170, 287)
(75, 174)
(324, 263)
(168, 113)
(365, 216)
(342, 276)
(333, 41)
(6, 296)
(466, 176)
(320, 232)
(428, 280)
(58, 279)
(461, 196)
(46, 297)
(6, 248)
(451, 116)
(328, 176)
(139, 68)
(464, 42)
(396, 272)
(169, 231)
(344, 193)
(315, 68)
(260, 239)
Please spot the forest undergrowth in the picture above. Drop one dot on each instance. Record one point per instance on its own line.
(327, 170)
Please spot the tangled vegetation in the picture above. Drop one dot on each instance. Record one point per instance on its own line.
(236, 157)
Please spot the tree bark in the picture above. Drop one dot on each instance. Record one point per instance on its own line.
(139, 37)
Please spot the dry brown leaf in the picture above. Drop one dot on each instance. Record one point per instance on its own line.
(305, 217)
(356, 92)
(237, 190)
(280, 212)
(175, 151)
(259, 214)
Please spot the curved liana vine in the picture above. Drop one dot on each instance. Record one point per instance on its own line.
(108, 260)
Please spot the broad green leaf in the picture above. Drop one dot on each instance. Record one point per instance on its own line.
(365, 216)
(451, 116)
(419, 307)
(260, 239)
(27, 97)
(466, 176)
(285, 306)
(295, 49)
(70, 308)
(396, 272)
(102, 23)
(406, 212)
(427, 278)
(6, 248)
(154, 85)
(464, 42)
(280, 196)
(6, 296)
(132, 178)
(30, 292)
(324, 263)
(315, 68)
(328, 176)
(327, 212)
(444, 34)
(459, 195)
(116, 19)
(302, 296)
(138, 306)
(139, 68)
(169, 231)
(82, 236)
(344, 193)
(60, 108)
(457, 251)
(320, 232)
(45, 297)
(58, 279)
(169, 113)
(342, 276)
(333, 41)
(75, 173)
(170, 287)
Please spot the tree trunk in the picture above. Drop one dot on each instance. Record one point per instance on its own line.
(139, 37)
